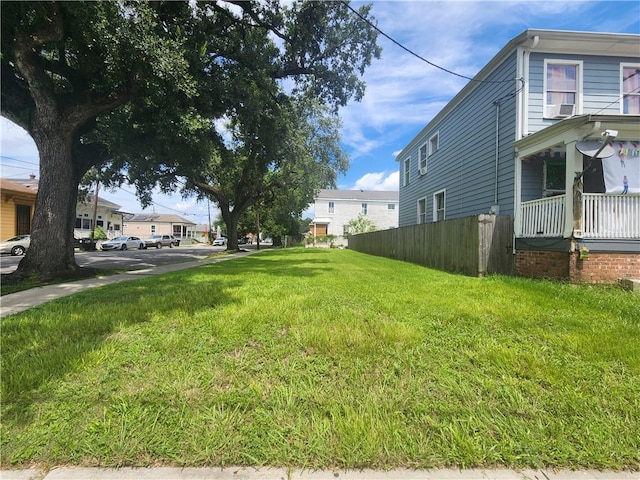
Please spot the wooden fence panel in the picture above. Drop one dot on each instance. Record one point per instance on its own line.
(472, 246)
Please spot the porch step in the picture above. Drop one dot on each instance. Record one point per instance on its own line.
(631, 284)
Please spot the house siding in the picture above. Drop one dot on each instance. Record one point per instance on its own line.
(600, 85)
(347, 207)
(464, 165)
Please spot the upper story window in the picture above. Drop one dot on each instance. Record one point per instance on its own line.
(422, 159)
(562, 88)
(332, 207)
(364, 209)
(153, 229)
(407, 170)
(422, 210)
(630, 89)
(434, 143)
(391, 206)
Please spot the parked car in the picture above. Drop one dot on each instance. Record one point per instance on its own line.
(122, 243)
(84, 244)
(160, 241)
(16, 245)
(220, 241)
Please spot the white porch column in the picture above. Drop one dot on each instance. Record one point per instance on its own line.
(517, 198)
(573, 165)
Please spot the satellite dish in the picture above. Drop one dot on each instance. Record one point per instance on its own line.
(591, 147)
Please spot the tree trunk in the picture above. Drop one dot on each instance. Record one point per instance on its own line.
(51, 253)
(231, 218)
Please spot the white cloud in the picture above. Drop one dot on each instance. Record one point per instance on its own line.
(384, 181)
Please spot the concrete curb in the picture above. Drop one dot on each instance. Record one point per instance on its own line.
(265, 473)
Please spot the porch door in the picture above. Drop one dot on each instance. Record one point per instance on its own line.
(23, 219)
(320, 229)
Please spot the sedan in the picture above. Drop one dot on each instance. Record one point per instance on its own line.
(122, 243)
(220, 241)
(16, 245)
(160, 241)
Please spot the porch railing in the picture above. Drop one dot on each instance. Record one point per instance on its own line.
(543, 217)
(610, 216)
(603, 216)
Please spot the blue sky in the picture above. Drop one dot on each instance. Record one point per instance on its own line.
(403, 93)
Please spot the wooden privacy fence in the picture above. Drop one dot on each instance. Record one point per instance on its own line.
(473, 246)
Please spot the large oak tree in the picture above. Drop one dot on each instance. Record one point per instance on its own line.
(81, 77)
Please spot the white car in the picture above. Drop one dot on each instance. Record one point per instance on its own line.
(16, 245)
(123, 243)
(220, 241)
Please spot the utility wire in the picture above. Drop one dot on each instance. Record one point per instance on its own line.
(406, 49)
(18, 160)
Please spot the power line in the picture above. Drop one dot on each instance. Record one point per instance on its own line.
(18, 160)
(406, 49)
(160, 205)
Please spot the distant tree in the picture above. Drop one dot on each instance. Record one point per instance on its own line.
(361, 224)
(276, 164)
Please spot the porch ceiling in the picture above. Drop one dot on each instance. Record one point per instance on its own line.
(578, 128)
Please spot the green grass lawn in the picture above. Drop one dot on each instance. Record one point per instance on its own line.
(325, 358)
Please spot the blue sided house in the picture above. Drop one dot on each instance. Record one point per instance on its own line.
(548, 133)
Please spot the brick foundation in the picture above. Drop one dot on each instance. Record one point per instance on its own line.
(600, 267)
(604, 267)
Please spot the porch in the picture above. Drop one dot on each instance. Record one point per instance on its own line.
(597, 216)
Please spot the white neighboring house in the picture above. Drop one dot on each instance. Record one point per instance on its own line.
(334, 209)
(108, 216)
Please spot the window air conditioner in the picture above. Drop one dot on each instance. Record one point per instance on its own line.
(422, 170)
(563, 110)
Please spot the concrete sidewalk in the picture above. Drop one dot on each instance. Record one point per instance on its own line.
(20, 301)
(265, 473)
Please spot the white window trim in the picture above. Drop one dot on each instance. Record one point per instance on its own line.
(435, 205)
(624, 65)
(406, 172)
(364, 208)
(418, 210)
(422, 170)
(435, 136)
(579, 86)
(330, 208)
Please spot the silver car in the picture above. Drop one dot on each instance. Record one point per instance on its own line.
(160, 241)
(123, 243)
(16, 245)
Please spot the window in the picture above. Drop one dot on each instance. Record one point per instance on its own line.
(332, 207)
(100, 223)
(630, 89)
(78, 223)
(422, 210)
(23, 219)
(364, 209)
(86, 224)
(345, 230)
(434, 144)
(438, 206)
(407, 167)
(391, 206)
(116, 226)
(153, 229)
(562, 88)
(422, 160)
